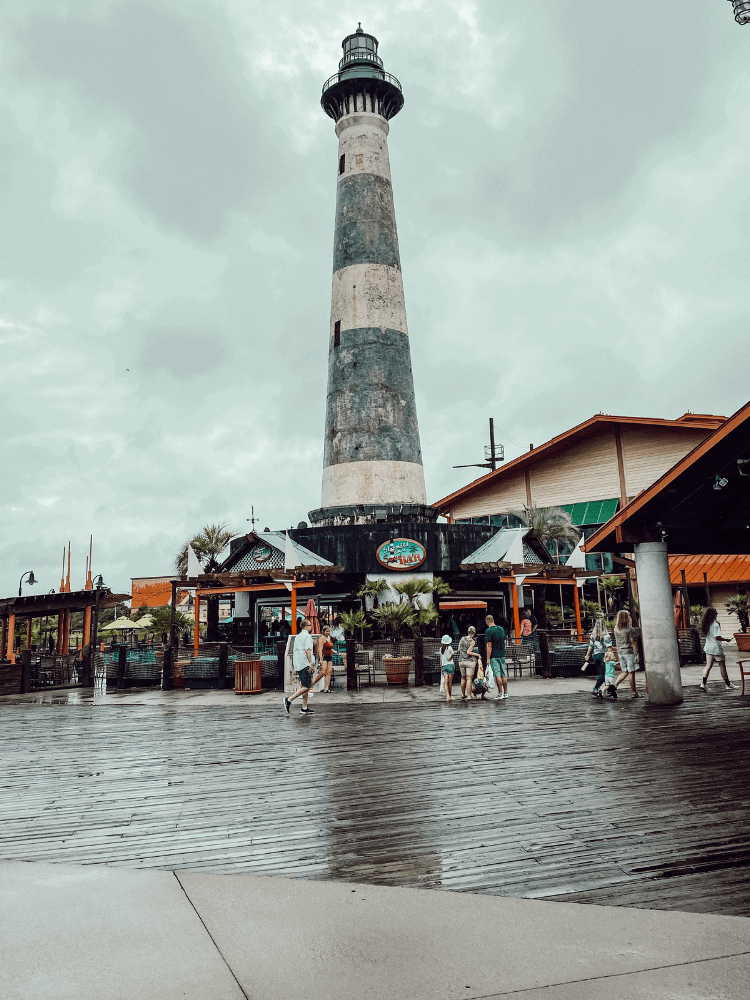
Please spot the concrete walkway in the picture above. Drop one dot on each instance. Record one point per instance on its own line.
(95, 932)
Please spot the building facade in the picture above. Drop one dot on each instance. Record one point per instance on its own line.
(591, 471)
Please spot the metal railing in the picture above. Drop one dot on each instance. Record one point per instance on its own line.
(381, 76)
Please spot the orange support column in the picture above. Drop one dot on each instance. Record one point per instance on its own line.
(577, 606)
(11, 649)
(66, 632)
(28, 634)
(197, 631)
(86, 625)
(60, 630)
(516, 617)
(4, 644)
(294, 607)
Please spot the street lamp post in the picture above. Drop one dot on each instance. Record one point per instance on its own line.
(32, 580)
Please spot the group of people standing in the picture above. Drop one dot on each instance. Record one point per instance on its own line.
(470, 663)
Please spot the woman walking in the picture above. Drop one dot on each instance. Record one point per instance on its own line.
(598, 644)
(711, 630)
(446, 666)
(325, 654)
(626, 643)
(467, 663)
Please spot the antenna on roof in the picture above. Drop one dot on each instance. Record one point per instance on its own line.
(252, 520)
(493, 454)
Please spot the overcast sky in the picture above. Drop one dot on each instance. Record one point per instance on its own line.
(571, 186)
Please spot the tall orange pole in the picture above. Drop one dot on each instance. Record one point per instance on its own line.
(294, 607)
(11, 651)
(60, 630)
(86, 625)
(67, 580)
(66, 632)
(28, 634)
(197, 631)
(89, 583)
(577, 606)
(62, 576)
(516, 617)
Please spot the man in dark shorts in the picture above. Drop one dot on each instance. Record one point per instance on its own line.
(304, 663)
(495, 638)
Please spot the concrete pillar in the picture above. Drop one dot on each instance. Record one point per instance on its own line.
(657, 624)
(372, 452)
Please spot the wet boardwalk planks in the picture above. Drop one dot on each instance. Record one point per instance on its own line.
(559, 797)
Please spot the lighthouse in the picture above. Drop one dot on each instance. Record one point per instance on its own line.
(372, 464)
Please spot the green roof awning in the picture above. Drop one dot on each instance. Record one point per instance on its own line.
(591, 512)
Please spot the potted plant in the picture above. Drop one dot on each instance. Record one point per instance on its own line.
(738, 605)
(396, 619)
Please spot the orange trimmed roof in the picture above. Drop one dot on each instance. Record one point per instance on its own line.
(728, 568)
(708, 422)
(688, 484)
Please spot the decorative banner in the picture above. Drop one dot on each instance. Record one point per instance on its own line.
(260, 552)
(401, 554)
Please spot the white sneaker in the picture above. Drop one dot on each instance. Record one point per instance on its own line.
(703, 686)
(498, 697)
(731, 685)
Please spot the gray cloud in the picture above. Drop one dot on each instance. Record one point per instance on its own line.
(569, 190)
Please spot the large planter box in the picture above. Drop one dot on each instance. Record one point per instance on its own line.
(743, 641)
(397, 670)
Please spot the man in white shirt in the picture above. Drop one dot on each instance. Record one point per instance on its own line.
(303, 660)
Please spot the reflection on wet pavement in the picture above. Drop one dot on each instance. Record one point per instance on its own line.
(544, 796)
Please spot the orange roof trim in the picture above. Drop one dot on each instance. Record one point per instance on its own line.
(725, 569)
(708, 422)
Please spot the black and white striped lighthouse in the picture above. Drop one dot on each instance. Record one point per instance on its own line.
(372, 456)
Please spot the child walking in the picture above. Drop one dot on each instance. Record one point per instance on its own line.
(446, 666)
(595, 654)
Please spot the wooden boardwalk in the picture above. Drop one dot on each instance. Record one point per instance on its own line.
(559, 797)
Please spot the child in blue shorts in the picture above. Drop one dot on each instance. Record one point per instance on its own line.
(446, 666)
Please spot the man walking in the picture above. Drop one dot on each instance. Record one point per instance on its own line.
(304, 663)
(495, 638)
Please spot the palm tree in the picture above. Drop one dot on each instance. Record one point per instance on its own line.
(371, 589)
(549, 525)
(207, 545)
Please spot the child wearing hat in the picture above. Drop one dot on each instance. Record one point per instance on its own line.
(446, 665)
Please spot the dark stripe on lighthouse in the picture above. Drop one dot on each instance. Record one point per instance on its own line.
(365, 230)
(370, 411)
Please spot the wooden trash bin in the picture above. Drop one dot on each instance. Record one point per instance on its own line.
(178, 674)
(248, 676)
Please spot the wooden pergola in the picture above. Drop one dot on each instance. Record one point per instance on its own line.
(61, 604)
(253, 581)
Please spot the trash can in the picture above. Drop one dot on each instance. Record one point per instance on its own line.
(248, 676)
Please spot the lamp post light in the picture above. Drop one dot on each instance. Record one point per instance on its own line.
(741, 11)
(32, 580)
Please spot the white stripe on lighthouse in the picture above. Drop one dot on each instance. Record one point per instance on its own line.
(380, 481)
(364, 145)
(368, 295)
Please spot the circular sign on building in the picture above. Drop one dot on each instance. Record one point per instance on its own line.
(260, 553)
(401, 554)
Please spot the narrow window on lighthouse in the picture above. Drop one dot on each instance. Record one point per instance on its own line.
(337, 334)
(342, 160)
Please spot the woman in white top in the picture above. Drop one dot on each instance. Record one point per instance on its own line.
(712, 632)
